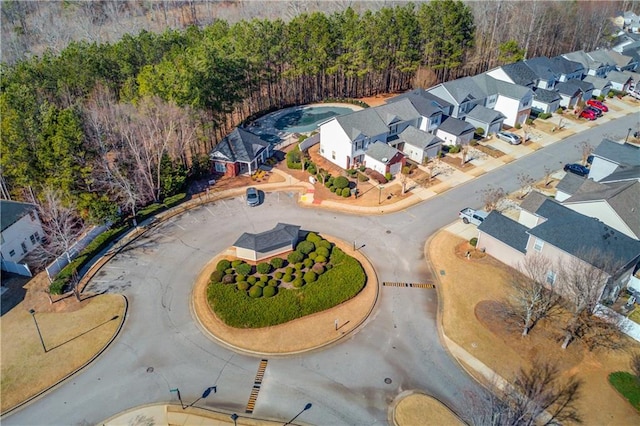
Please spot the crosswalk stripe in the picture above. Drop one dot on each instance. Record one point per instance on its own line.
(256, 386)
(413, 285)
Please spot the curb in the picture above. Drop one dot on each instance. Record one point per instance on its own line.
(82, 367)
(391, 410)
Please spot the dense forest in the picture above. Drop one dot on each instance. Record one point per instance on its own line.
(111, 126)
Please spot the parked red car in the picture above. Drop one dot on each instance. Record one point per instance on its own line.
(597, 104)
(589, 115)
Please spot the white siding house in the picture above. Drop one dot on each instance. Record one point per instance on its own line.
(21, 231)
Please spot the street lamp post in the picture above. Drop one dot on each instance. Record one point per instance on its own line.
(628, 133)
(205, 394)
(33, 315)
(306, 407)
(234, 417)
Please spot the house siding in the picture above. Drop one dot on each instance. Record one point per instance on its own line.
(512, 110)
(601, 168)
(19, 233)
(499, 250)
(333, 139)
(248, 254)
(499, 74)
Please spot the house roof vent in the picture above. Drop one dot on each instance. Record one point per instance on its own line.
(385, 159)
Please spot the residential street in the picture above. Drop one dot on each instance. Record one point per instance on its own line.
(161, 347)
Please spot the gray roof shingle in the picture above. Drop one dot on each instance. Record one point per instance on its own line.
(492, 86)
(506, 230)
(485, 115)
(622, 173)
(281, 236)
(239, 145)
(424, 102)
(403, 110)
(418, 138)
(464, 89)
(570, 183)
(520, 73)
(619, 153)
(546, 96)
(562, 65)
(366, 122)
(533, 201)
(598, 83)
(12, 211)
(382, 152)
(541, 66)
(456, 126)
(581, 235)
(568, 88)
(618, 77)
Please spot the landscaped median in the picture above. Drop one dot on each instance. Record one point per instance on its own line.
(469, 288)
(308, 332)
(71, 339)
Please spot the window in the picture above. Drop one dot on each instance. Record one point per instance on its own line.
(551, 277)
(538, 244)
(24, 247)
(221, 167)
(393, 129)
(33, 239)
(32, 214)
(12, 253)
(333, 155)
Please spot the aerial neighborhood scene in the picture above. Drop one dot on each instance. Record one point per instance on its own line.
(320, 212)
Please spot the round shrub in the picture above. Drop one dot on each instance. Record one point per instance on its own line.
(263, 268)
(269, 291)
(236, 263)
(243, 285)
(289, 270)
(277, 262)
(308, 263)
(320, 259)
(273, 283)
(287, 278)
(346, 192)
(309, 277)
(473, 241)
(228, 279)
(278, 275)
(313, 237)
(323, 243)
(299, 266)
(255, 292)
(333, 189)
(341, 182)
(322, 251)
(318, 269)
(261, 284)
(327, 183)
(229, 271)
(244, 268)
(305, 247)
(298, 282)
(216, 276)
(264, 278)
(295, 257)
(313, 255)
(240, 278)
(328, 266)
(252, 280)
(223, 265)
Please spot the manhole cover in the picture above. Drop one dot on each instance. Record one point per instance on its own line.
(388, 381)
(388, 232)
(149, 369)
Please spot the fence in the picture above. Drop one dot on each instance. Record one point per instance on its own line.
(63, 260)
(16, 268)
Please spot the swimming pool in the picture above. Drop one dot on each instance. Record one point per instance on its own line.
(306, 119)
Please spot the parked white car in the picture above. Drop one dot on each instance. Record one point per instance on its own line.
(469, 215)
(512, 138)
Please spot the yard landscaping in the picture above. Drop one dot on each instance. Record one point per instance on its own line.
(315, 277)
(469, 288)
(72, 339)
(628, 385)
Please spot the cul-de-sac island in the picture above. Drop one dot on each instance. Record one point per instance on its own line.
(320, 212)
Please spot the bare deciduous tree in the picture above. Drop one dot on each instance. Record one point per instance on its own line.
(536, 396)
(530, 300)
(465, 153)
(548, 171)
(491, 196)
(586, 149)
(526, 182)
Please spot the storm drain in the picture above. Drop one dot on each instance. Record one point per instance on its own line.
(412, 285)
(256, 386)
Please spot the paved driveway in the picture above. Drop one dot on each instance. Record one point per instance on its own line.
(161, 348)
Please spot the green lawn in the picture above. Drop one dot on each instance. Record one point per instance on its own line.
(635, 316)
(340, 283)
(627, 385)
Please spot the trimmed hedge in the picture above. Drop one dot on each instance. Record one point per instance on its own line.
(308, 263)
(263, 268)
(309, 277)
(287, 278)
(318, 269)
(216, 276)
(255, 291)
(321, 259)
(341, 182)
(244, 268)
(322, 251)
(313, 237)
(223, 265)
(269, 291)
(243, 285)
(228, 279)
(305, 247)
(277, 262)
(295, 257)
(252, 280)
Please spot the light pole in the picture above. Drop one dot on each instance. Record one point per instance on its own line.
(306, 407)
(628, 133)
(234, 417)
(33, 315)
(205, 394)
(380, 188)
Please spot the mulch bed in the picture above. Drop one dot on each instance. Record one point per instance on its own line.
(490, 151)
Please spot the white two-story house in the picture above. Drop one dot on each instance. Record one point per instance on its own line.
(21, 233)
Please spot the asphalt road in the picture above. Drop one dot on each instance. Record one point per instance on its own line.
(160, 347)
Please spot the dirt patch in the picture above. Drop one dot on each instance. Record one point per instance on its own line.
(377, 100)
(468, 252)
(299, 335)
(455, 160)
(471, 291)
(489, 150)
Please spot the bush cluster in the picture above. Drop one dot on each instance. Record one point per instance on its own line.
(263, 268)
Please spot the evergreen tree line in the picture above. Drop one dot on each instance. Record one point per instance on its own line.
(118, 125)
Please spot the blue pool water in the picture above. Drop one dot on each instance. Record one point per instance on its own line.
(306, 119)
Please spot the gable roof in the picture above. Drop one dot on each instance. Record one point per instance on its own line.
(365, 122)
(622, 173)
(619, 153)
(281, 236)
(568, 88)
(587, 61)
(546, 96)
(382, 152)
(619, 59)
(623, 197)
(520, 73)
(485, 115)
(542, 67)
(562, 65)
(418, 138)
(239, 145)
(581, 235)
(570, 183)
(424, 102)
(533, 201)
(13, 211)
(493, 86)
(601, 56)
(618, 77)
(506, 230)
(585, 86)
(598, 83)
(464, 89)
(456, 126)
(401, 110)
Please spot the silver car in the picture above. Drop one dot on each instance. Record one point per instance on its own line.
(512, 138)
(253, 197)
